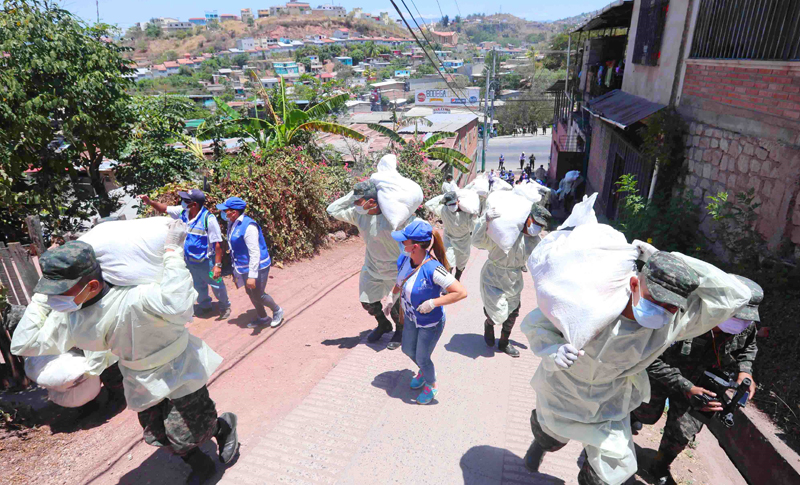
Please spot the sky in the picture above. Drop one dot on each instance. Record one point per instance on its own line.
(126, 12)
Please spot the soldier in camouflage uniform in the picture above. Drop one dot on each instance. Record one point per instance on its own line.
(672, 377)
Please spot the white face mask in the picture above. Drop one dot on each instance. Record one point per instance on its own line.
(650, 315)
(534, 229)
(184, 205)
(734, 325)
(63, 303)
(452, 208)
(361, 210)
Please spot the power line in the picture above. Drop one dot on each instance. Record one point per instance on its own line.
(440, 10)
(402, 17)
(459, 10)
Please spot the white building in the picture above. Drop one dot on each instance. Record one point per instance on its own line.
(246, 44)
(330, 11)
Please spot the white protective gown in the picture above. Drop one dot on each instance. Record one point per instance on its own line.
(379, 273)
(457, 232)
(591, 401)
(501, 276)
(142, 325)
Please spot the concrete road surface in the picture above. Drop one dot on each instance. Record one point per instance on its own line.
(512, 146)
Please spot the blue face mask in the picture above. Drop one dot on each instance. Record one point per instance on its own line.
(734, 325)
(184, 205)
(224, 216)
(650, 315)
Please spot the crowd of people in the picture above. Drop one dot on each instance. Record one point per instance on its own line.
(598, 394)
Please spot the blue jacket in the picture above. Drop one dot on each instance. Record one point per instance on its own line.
(240, 256)
(424, 289)
(195, 248)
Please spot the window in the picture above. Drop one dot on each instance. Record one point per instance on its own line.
(649, 30)
(747, 29)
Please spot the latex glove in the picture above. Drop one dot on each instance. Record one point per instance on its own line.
(176, 235)
(492, 213)
(567, 355)
(645, 249)
(387, 302)
(426, 307)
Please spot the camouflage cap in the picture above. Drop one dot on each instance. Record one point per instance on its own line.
(64, 266)
(541, 215)
(450, 198)
(669, 279)
(750, 311)
(365, 190)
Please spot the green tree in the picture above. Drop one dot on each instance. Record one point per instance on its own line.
(447, 156)
(171, 56)
(154, 31)
(150, 161)
(251, 22)
(241, 59)
(445, 21)
(63, 99)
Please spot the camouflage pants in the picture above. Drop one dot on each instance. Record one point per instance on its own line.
(586, 476)
(376, 311)
(681, 426)
(181, 424)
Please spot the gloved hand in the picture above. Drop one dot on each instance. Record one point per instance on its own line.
(645, 249)
(387, 302)
(176, 235)
(426, 307)
(567, 355)
(492, 213)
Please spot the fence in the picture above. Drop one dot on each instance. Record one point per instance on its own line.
(747, 29)
(18, 273)
(623, 158)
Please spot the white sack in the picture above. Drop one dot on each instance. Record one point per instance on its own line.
(469, 201)
(582, 276)
(480, 185)
(398, 197)
(530, 191)
(56, 371)
(514, 211)
(500, 184)
(130, 253)
(78, 395)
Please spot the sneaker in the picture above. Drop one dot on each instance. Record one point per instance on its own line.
(277, 318)
(417, 381)
(396, 341)
(225, 314)
(427, 395)
(259, 322)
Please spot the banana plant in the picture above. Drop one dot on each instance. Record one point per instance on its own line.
(282, 128)
(447, 156)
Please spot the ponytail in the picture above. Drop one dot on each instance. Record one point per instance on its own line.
(437, 246)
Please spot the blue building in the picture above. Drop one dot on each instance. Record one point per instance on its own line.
(212, 16)
(402, 73)
(287, 68)
(198, 21)
(347, 61)
(452, 64)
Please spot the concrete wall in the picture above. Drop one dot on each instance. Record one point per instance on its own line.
(654, 83)
(721, 160)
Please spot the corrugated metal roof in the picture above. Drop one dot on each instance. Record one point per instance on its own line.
(441, 122)
(615, 14)
(622, 109)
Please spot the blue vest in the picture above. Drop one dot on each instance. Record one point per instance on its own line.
(195, 249)
(424, 289)
(240, 256)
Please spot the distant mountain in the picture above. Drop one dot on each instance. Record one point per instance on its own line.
(509, 29)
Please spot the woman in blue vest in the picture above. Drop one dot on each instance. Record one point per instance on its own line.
(422, 277)
(251, 261)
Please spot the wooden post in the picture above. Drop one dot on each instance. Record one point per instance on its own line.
(25, 268)
(35, 233)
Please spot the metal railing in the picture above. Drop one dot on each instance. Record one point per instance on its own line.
(747, 29)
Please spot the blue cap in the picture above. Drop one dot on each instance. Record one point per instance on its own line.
(418, 230)
(234, 203)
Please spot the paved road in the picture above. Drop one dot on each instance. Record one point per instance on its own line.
(512, 146)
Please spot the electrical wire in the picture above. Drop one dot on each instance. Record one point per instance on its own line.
(440, 10)
(402, 17)
(459, 10)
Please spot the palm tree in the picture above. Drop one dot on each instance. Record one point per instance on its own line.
(282, 130)
(447, 156)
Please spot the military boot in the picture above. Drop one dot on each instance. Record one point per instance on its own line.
(397, 338)
(384, 325)
(659, 469)
(227, 438)
(203, 467)
(504, 345)
(458, 274)
(488, 333)
(533, 457)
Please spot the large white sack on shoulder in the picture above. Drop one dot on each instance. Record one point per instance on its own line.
(77, 395)
(480, 185)
(55, 371)
(130, 253)
(582, 213)
(469, 201)
(514, 211)
(388, 163)
(529, 191)
(582, 279)
(398, 197)
(500, 184)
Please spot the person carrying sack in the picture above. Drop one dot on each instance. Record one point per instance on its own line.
(457, 230)
(421, 279)
(501, 276)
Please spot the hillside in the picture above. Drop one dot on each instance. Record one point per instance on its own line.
(202, 40)
(509, 29)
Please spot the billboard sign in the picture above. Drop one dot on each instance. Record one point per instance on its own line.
(448, 97)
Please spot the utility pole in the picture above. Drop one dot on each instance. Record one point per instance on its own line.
(485, 118)
(491, 110)
(97, 6)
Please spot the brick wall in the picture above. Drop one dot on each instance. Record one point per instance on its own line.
(767, 90)
(721, 160)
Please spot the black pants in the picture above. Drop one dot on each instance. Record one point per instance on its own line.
(376, 311)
